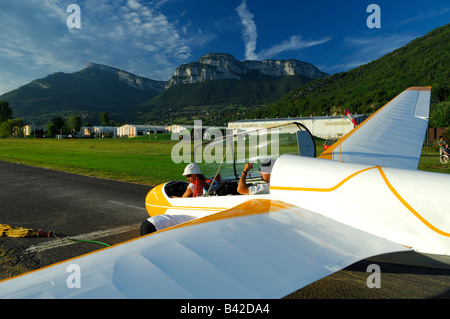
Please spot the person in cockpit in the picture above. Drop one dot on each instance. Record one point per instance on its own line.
(265, 171)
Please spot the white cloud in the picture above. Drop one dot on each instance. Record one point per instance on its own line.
(294, 43)
(249, 34)
(128, 34)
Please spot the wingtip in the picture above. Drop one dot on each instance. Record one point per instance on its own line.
(419, 88)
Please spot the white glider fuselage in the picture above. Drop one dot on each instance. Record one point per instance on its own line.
(402, 206)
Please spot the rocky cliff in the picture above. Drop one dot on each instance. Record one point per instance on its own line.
(217, 66)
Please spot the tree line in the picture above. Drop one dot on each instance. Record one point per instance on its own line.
(72, 125)
(57, 126)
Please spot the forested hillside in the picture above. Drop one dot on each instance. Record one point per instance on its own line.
(217, 101)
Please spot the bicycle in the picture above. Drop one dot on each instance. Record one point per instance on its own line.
(444, 159)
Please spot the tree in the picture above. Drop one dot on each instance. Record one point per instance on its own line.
(57, 124)
(5, 111)
(75, 122)
(52, 130)
(11, 127)
(104, 119)
(440, 115)
(17, 127)
(5, 129)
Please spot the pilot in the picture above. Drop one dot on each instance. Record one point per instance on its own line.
(160, 222)
(265, 171)
(196, 181)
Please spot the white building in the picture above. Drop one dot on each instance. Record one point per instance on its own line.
(102, 131)
(99, 131)
(320, 126)
(132, 130)
(175, 128)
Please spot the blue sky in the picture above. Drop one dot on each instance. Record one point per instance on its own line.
(151, 38)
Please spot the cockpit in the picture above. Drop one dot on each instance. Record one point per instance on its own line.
(222, 156)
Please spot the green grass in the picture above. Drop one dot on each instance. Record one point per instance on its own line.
(132, 160)
(429, 160)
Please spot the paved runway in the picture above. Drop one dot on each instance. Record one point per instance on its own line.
(111, 212)
(72, 206)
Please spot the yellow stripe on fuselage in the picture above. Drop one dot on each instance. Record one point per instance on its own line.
(388, 184)
(311, 189)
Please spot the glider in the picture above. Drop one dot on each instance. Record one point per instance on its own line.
(356, 200)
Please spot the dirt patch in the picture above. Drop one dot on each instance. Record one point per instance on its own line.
(9, 267)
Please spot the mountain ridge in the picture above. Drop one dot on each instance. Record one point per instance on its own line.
(87, 93)
(222, 66)
(127, 97)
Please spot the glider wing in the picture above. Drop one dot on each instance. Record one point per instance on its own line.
(259, 249)
(393, 136)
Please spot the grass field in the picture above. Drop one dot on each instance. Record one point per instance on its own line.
(138, 160)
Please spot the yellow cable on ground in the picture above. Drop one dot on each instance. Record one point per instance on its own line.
(20, 232)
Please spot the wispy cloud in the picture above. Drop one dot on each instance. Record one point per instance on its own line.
(295, 42)
(250, 35)
(425, 16)
(129, 34)
(368, 48)
(375, 47)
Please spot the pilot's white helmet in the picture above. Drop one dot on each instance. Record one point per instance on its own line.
(192, 169)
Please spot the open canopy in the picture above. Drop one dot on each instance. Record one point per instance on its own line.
(227, 154)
